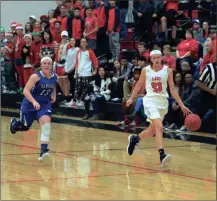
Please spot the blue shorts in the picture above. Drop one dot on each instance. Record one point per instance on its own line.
(28, 114)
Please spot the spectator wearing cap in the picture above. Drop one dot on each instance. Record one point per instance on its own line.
(28, 28)
(26, 57)
(32, 20)
(63, 18)
(19, 43)
(51, 19)
(114, 30)
(9, 74)
(56, 33)
(76, 26)
(35, 50)
(168, 59)
(13, 26)
(187, 49)
(91, 28)
(59, 66)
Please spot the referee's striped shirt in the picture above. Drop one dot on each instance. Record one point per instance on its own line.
(209, 76)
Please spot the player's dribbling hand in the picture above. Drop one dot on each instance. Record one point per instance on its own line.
(36, 105)
(129, 102)
(53, 99)
(186, 111)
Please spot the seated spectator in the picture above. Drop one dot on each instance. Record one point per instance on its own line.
(168, 59)
(185, 67)
(128, 110)
(210, 57)
(190, 97)
(143, 51)
(32, 20)
(187, 49)
(206, 30)
(208, 84)
(101, 94)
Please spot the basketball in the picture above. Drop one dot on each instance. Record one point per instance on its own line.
(192, 122)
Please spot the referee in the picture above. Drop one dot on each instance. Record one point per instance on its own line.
(207, 82)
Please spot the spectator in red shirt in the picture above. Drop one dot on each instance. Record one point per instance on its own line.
(63, 18)
(187, 50)
(91, 28)
(142, 51)
(35, 50)
(114, 29)
(76, 26)
(210, 57)
(56, 33)
(10, 85)
(168, 59)
(37, 25)
(51, 20)
(79, 4)
(18, 47)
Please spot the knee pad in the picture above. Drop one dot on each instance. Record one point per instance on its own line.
(45, 132)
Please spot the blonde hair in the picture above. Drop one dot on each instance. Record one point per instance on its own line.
(167, 47)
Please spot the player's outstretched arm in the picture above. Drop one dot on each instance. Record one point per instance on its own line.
(138, 87)
(29, 86)
(175, 94)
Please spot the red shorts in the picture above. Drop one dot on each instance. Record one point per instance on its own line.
(60, 71)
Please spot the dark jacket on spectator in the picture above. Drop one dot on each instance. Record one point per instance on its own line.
(77, 30)
(114, 19)
(142, 6)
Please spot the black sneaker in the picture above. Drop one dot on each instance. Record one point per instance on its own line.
(133, 141)
(12, 130)
(165, 160)
(43, 154)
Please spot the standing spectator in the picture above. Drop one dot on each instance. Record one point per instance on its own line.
(114, 30)
(45, 24)
(101, 94)
(37, 25)
(51, 19)
(168, 59)
(47, 47)
(70, 66)
(91, 28)
(79, 4)
(76, 26)
(207, 82)
(63, 18)
(60, 66)
(28, 28)
(32, 20)
(56, 34)
(84, 60)
(13, 26)
(18, 47)
(10, 80)
(187, 49)
(102, 38)
(35, 50)
(143, 11)
(26, 52)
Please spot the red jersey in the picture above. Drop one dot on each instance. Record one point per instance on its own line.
(19, 43)
(170, 61)
(188, 45)
(90, 24)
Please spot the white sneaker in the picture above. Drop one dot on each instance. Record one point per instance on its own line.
(5, 91)
(12, 92)
(79, 103)
(41, 158)
(166, 160)
(182, 129)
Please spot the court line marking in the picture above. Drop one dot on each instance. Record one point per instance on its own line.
(76, 177)
(122, 164)
(90, 150)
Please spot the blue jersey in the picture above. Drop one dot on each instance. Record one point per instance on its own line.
(43, 89)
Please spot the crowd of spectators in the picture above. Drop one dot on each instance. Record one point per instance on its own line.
(77, 35)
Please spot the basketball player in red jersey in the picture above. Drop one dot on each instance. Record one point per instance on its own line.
(155, 102)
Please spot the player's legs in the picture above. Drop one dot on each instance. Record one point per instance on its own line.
(24, 123)
(44, 122)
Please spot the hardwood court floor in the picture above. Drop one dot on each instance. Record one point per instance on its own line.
(90, 164)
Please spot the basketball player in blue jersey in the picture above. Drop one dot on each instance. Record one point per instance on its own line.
(156, 78)
(39, 92)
